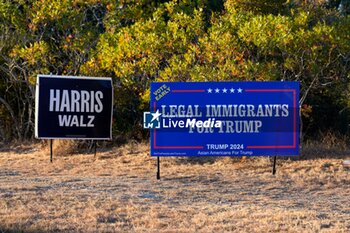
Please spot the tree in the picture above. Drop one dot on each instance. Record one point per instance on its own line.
(137, 42)
(42, 37)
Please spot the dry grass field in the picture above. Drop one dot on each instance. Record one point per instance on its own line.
(117, 191)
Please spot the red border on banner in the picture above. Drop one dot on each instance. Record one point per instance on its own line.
(187, 91)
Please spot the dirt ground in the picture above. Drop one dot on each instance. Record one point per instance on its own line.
(117, 191)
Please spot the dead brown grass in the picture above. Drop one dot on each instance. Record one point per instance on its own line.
(117, 192)
(330, 145)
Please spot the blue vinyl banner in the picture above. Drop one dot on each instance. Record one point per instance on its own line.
(223, 118)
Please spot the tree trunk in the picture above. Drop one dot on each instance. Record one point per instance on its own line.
(12, 114)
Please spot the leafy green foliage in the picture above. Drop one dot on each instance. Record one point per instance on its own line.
(137, 42)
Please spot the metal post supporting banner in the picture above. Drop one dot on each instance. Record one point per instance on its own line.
(274, 165)
(158, 168)
(95, 148)
(51, 150)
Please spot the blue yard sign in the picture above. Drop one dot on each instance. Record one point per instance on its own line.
(223, 118)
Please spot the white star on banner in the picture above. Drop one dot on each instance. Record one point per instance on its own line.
(210, 90)
(239, 90)
(217, 90)
(224, 90)
(156, 115)
(232, 90)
